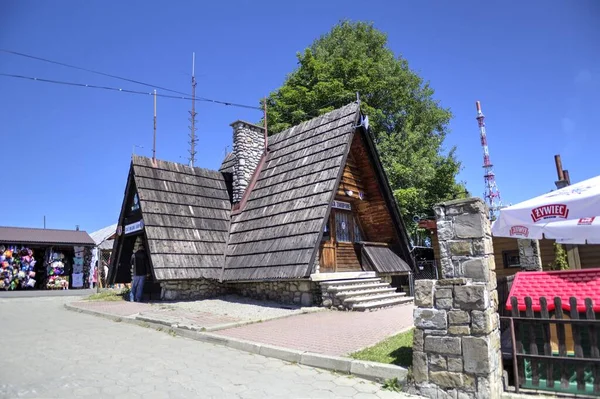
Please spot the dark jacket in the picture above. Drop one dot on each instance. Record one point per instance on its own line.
(139, 261)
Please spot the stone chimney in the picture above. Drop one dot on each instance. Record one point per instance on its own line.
(248, 147)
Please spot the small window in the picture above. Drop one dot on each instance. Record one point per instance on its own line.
(135, 205)
(511, 259)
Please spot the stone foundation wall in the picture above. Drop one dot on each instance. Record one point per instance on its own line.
(191, 289)
(297, 292)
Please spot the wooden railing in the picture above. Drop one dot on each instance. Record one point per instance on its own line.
(555, 351)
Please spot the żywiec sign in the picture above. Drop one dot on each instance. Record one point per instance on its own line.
(549, 212)
(133, 227)
(519, 231)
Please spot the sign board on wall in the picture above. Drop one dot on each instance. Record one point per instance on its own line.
(133, 227)
(341, 205)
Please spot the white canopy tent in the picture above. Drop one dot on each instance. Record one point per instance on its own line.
(570, 215)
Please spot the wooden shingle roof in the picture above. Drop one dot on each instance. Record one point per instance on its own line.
(186, 215)
(227, 165)
(276, 235)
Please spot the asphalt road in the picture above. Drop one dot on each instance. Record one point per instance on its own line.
(50, 352)
(45, 293)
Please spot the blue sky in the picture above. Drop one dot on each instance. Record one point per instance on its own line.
(534, 65)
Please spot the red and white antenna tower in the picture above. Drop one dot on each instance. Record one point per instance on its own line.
(492, 192)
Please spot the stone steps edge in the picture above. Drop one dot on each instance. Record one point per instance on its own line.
(373, 371)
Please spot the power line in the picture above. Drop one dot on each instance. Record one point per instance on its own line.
(183, 97)
(92, 71)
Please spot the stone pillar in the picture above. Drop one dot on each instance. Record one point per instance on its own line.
(529, 255)
(456, 349)
(248, 147)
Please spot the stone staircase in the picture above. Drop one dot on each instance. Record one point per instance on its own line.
(361, 294)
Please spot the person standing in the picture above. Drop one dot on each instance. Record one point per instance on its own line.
(95, 277)
(139, 262)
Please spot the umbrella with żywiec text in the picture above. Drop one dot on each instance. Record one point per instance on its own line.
(570, 215)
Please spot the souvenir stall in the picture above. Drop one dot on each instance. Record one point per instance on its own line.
(44, 259)
(17, 268)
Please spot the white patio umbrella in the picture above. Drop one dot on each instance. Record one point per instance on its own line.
(570, 215)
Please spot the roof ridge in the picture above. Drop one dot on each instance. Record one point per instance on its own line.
(39, 228)
(173, 163)
(308, 121)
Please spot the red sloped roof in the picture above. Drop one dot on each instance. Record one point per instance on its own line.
(580, 284)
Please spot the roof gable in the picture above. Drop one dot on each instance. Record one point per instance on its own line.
(277, 233)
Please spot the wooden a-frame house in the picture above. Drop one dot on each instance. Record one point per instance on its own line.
(305, 217)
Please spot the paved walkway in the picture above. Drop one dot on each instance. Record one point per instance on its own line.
(210, 313)
(50, 352)
(331, 333)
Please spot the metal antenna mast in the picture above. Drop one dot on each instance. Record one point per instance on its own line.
(193, 139)
(154, 137)
(492, 192)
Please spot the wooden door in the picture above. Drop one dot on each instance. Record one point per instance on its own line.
(346, 257)
(327, 252)
(327, 258)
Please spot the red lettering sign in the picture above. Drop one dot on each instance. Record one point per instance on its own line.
(519, 231)
(549, 211)
(586, 221)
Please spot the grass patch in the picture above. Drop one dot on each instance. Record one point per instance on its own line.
(394, 350)
(110, 296)
(105, 296)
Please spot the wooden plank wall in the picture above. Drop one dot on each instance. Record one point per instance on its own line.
(589, 256)
(374, 215)
(347, 258)
(372, 212)
(502, 244)
(351, 177)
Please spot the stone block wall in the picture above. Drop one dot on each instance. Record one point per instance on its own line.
(248, 147)
(191, 289)
(297, 292)
(456, 349)
(529, 254)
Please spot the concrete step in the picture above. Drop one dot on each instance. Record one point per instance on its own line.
(373, 298)
(372, 291)
(333, 283)
(356, 287)
(382, 304)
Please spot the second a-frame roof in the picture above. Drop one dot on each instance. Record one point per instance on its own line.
(186, 215)
(276, 235)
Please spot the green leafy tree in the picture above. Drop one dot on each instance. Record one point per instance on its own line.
(561, 261)
(408, 125)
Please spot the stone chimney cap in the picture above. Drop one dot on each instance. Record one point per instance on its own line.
(248, 125)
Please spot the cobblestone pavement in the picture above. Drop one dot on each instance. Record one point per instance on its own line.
(50, 352)
(331, 333)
